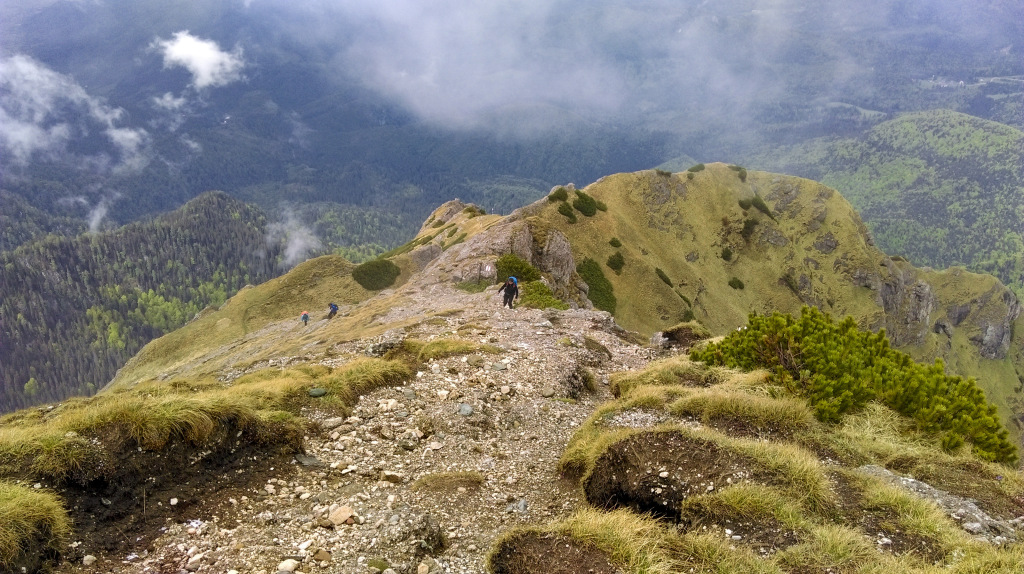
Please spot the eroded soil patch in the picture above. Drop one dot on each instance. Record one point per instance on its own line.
(534, 553)
(121, 513)
(654, 472)
(881, 525)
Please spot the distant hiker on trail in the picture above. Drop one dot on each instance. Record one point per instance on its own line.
(511, 289)
(305, 318)
(333, 310)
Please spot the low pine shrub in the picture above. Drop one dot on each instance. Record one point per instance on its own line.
(663, 173)
(376, 274)
(600, 292)
(749, 225)
(663, 276)
(510, 265)
(616, 262)
(615, 242)
(536, 295)
(727, 253)
(585, 204)
(839, 368)
(560, 194)
(735, 283)
(696, 168)
(566, 210)
(689, 175)
(760, 205)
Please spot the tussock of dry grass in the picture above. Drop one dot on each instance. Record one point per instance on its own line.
(634, 543)
(30, 521)
(263, 405)
(421, 351)
(788, 415)
(677, 370)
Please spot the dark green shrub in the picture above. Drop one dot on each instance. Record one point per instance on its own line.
(696, 168)
(684, 298)
(600, 205)
(663, 276)
(376, 274)
(749, 225)
(689, 175)
(585, 204)
(761, 206)
(688, 315)
(509, 265)
(746, 203)
(735, 283)
(560, 194)
(600, 292)
(437, 224)
(789, 281)
(566, 210)
(536, 295)
(458, 240)
(663, 173)
(727, 253)
(743, 175)
(615, 242)
(616, 261)
(839, 368)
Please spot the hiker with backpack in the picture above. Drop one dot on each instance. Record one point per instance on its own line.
(332, 310)
(511, 289)
(305, 318)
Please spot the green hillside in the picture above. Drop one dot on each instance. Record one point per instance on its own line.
(939, 187)
(76, 307)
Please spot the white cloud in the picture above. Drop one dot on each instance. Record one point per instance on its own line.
(209, 65)
(42, 111)
(299, 240)
(169, 102)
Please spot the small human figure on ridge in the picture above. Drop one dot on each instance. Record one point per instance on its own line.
(332, 310)
(511, 289)
(305, 318)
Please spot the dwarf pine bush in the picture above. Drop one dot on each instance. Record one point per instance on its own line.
(585, 204)
(566, 210)
(560, 194)
(509, 265)
(376, 274)
(839, 368)
(600, 292)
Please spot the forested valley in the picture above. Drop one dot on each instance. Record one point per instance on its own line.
(75, 307)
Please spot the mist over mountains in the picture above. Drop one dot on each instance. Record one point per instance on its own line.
(125, 109)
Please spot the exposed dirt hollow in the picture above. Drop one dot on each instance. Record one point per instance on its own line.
(123, 513)
(549, 554)
(654, 472)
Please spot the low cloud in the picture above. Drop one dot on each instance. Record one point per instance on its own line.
(209, 65)
(299, 241)
(42, 112)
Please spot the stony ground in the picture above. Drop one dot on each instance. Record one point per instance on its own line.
(352, 504)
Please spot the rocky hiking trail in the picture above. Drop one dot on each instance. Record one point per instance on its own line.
(490, 427)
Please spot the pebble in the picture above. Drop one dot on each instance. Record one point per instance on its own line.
(289, 565)
(317, 392)
(88, 560)
(548, 392)
(465, 410)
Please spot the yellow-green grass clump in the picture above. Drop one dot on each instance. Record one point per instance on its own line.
(423, 351)
(33, 523)
(449, 481)
(677, 370)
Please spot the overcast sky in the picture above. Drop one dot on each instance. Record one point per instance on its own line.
(454, 63)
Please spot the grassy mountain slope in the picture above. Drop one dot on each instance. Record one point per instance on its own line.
(76, 307)
(939, 187)
(718, 243)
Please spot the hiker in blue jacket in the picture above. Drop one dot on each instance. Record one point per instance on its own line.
(511, 289)
(305, 318)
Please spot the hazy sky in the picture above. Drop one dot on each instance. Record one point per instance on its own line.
(455, 63)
